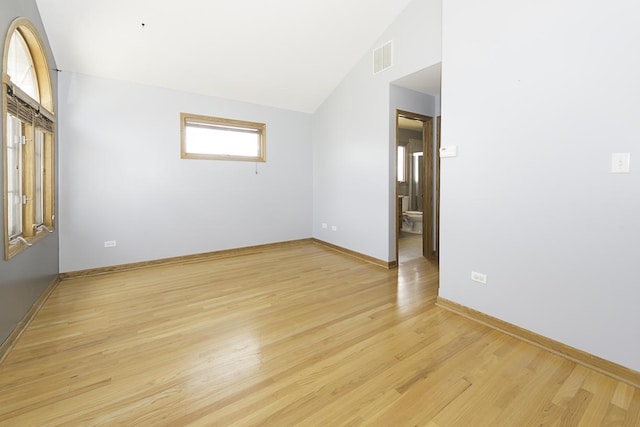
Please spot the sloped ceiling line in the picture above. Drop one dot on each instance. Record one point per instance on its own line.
(285, 53)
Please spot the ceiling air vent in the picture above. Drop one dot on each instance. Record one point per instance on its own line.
(383, 57)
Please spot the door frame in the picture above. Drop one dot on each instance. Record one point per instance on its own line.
(428, 184)
(437, 178)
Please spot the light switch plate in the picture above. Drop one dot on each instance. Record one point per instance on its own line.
(620, 162)
(448, 151)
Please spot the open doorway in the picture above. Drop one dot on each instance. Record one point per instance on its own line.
(416, 207)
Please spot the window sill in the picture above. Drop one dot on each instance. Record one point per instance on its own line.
(12, 250)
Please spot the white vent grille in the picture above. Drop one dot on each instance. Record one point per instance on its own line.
(383, 57)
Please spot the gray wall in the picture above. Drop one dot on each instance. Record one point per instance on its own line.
(122, 178)
(24, 278)
(536, 96)
(354, 139)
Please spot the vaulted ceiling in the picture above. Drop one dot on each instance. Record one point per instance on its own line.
(282, 53)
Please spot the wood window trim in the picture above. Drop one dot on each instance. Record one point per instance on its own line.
(30, 233)
(210, 120)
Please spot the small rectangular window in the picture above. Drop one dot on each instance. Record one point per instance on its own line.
(203, 137)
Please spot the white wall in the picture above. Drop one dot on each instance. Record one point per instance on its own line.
(353, 154)
(121, 177)
(537, 95)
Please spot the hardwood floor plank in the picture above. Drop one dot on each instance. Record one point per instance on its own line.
(633, 413)
(296, 334)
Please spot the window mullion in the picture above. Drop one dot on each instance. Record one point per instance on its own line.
(28, 181)
(48, 187)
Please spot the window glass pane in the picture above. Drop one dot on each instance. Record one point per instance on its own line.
(223, 142)
(20, 66)
(417, 167)
(401, 163)
(14, 173)
(39, 177)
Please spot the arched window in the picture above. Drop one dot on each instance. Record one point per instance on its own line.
(29, 124)
(20, 66)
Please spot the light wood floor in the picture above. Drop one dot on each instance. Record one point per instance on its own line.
(409, 246)
(294, 335)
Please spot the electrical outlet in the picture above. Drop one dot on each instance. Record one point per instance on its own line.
(334, 228)
(110, 244)
(479, 277)
(324, 225)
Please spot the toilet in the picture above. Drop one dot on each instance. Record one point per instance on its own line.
(413, 219)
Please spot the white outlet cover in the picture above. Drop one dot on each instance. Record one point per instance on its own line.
(479, 277)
